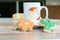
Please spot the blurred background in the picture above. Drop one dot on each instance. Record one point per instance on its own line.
(8, 7)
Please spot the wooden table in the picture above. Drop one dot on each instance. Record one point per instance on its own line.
(7, 32)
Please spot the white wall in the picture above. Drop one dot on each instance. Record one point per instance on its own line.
(53, 2)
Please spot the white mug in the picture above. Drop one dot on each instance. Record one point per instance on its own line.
(32, 11)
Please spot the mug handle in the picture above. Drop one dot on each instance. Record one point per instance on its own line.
(46, 11)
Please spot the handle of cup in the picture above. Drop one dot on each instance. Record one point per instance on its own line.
(46, 11)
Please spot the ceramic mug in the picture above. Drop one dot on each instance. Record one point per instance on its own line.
(32, 11)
